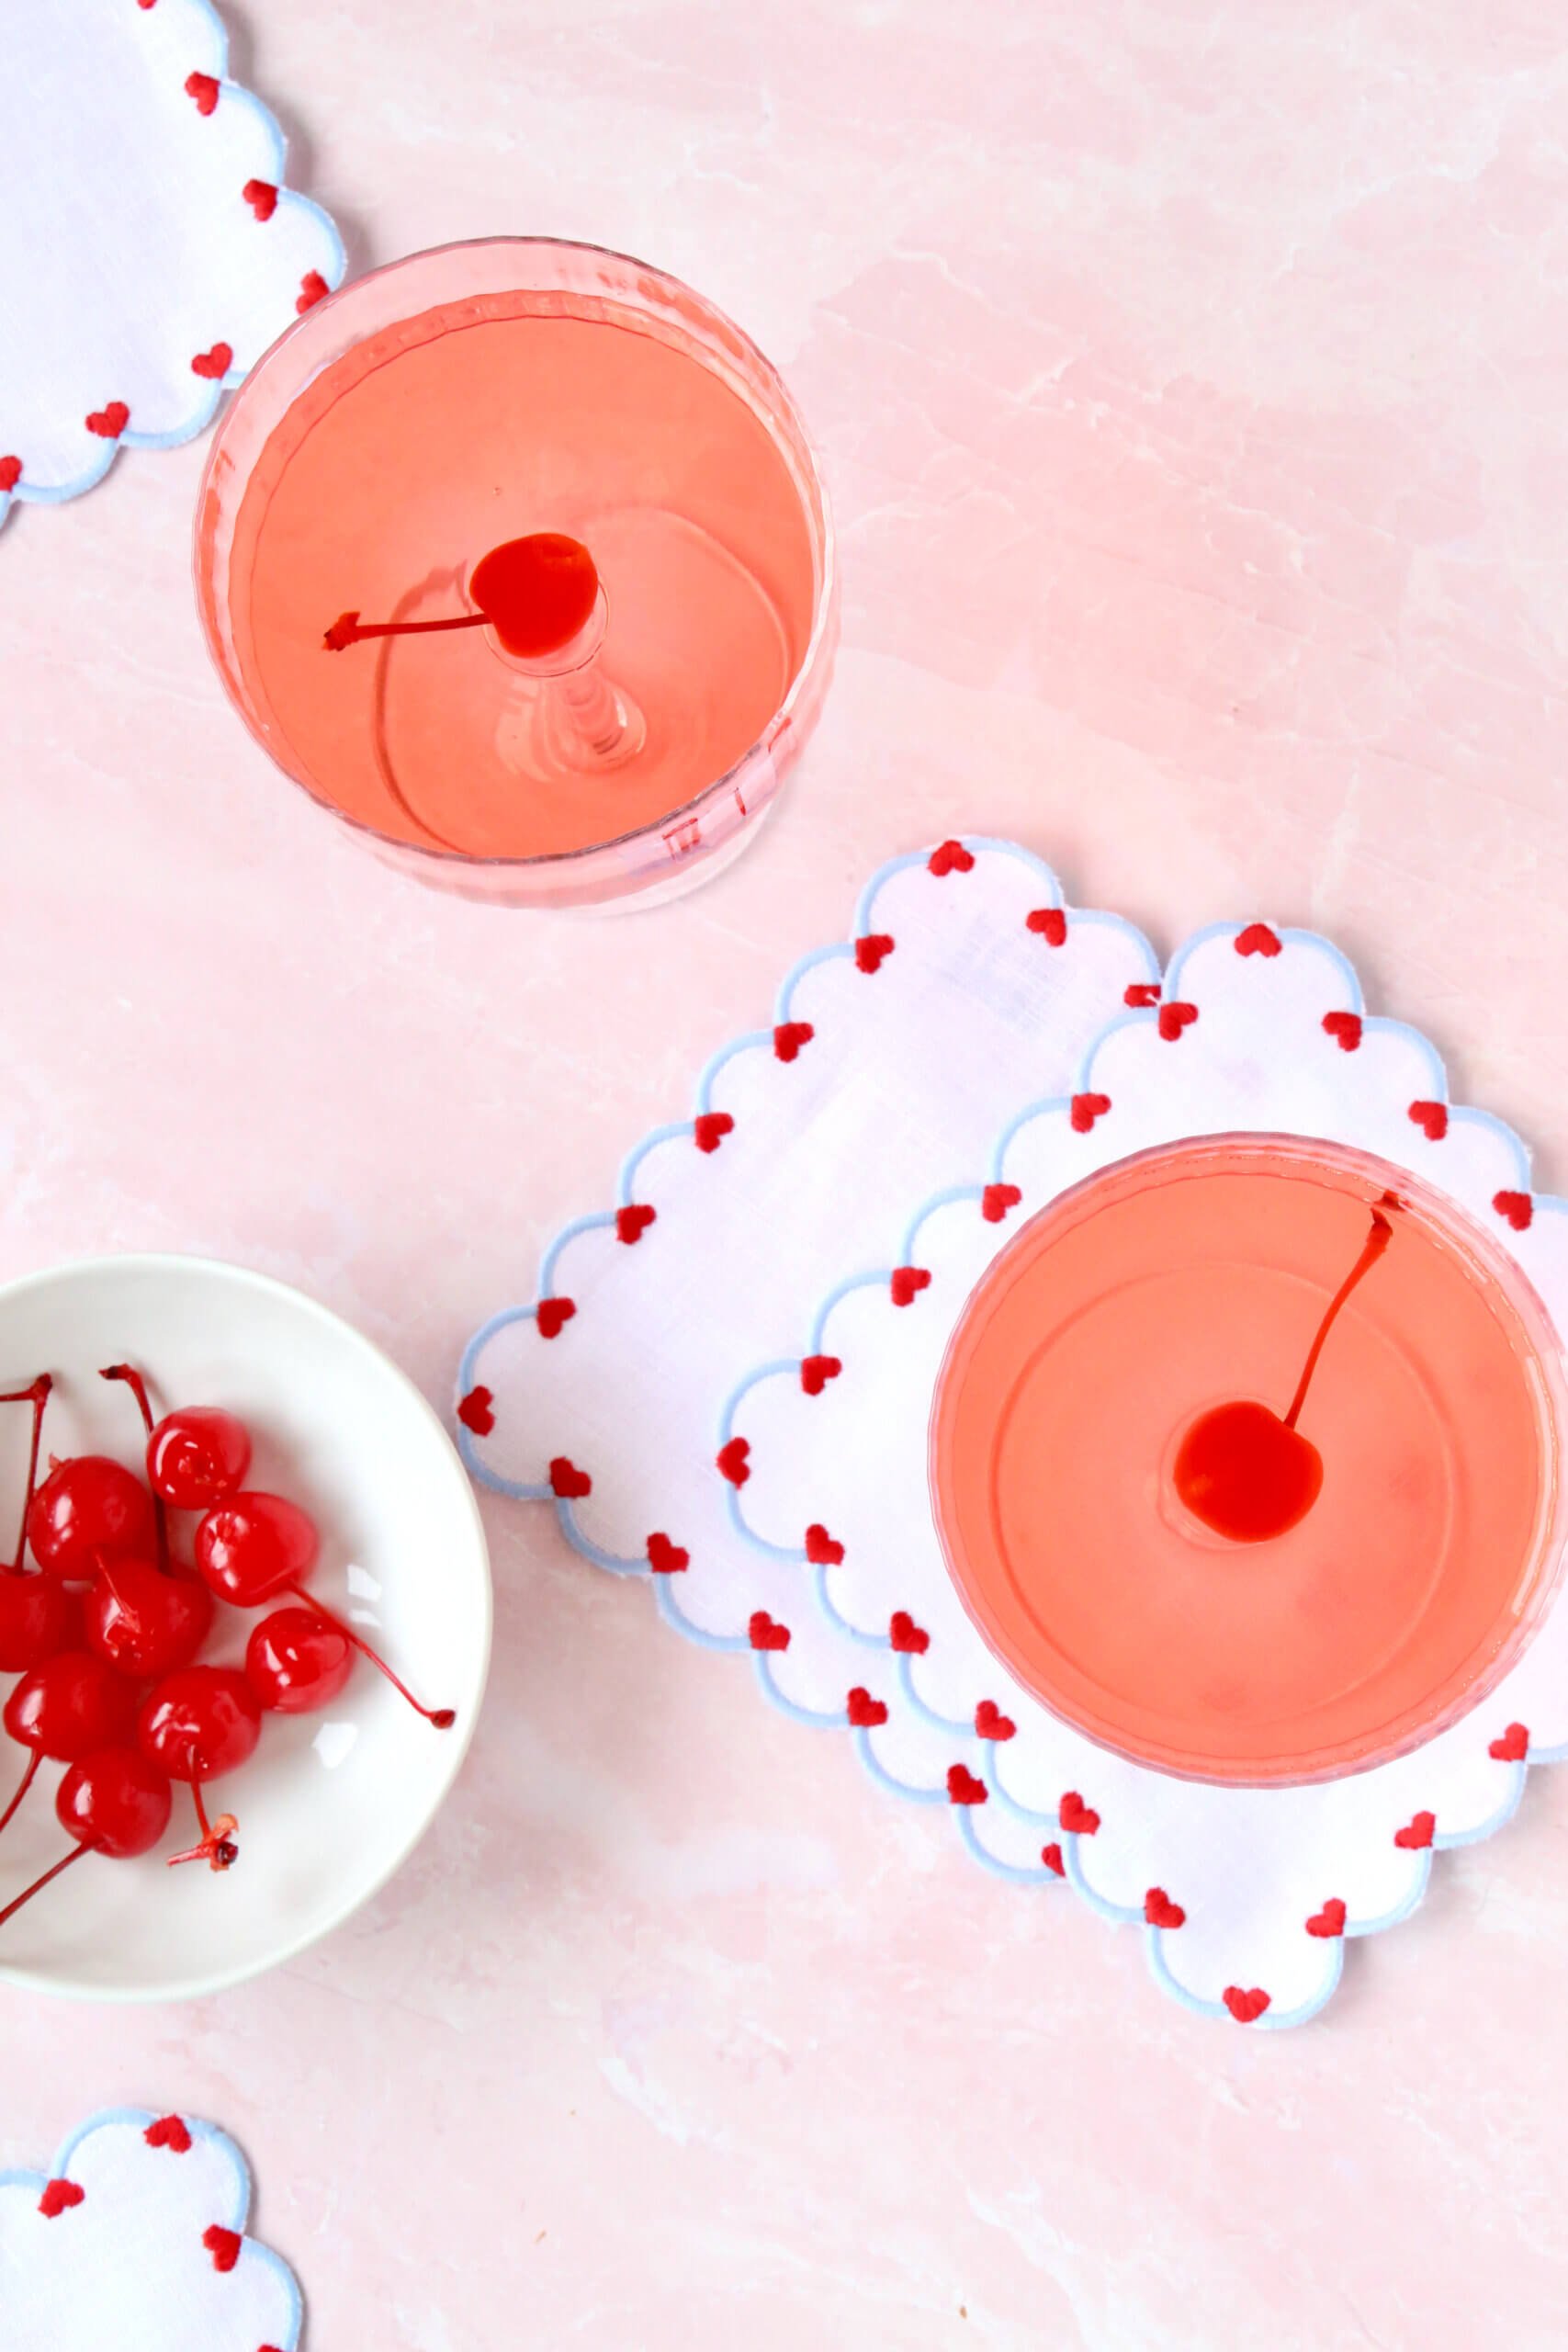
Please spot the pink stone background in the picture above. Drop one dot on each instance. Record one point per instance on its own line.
(1193, 382)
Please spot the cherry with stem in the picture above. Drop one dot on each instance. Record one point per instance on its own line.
(138, 1387)
(442, 1717)
(537, 593)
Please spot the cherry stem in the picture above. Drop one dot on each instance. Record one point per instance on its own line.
(36, 1396)
(23, 1785)
(348, 629)
(88, 1845)
(442, 1717)
(1377, 1242)
(217, 1848)
(138, 1387)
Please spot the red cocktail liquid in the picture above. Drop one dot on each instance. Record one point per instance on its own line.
(1170, 1306)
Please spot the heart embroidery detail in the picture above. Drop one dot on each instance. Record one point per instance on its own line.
(1432, 1118)
(633, 1221)
(962, 1788)
(1245, 2007)
(262, 197)
(1141, 995)
(1077, 1818)
(1052, 1857)
(949, 857)
(789, 1037)
(996, 1201)
(1330, 1921)
(1513, 1745)
(1517, 1207)
(475, 1411)
(567, 1481)
(666, 1559)
(905, 1635)
(1345, 1028)
(732, 1461)
(906, 1281)
(110, 422)
(313, 289)
(1418, 1833)
(1085, 1109)
(820, 1548)
(1050, 924)
(1257, 940)
(816, 1372)
(58, 2198)
(765, 1634)
(10, 475)
(1158, 1908)
(709, 1129)
(214, 363)
(552, 1314)
(865, 1712)
(872, 950)
(204, 90)
(991, 1723)
(168, 2132)
(223, 2245)
(1174, 1018)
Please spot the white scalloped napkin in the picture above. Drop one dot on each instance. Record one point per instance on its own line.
(153, 252)
(731, 1397)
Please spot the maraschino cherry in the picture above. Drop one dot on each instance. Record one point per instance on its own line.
(65, 1708)
(537, 593)
(297, 1661)
(112, 1801)
(39, 1616)
(1246, 1471)
(196, 1455)
(144, 1622)
(194, 1727)
(87, 1508)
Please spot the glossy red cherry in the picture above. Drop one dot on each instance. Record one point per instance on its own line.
(144, 1622)
(88, 1507)
(199, 1724)
(1245, 1473)
(255, 1546)
(64, 1708)
(113, 1802)
(196, 1456)
(297, 1661)
(39, 1617)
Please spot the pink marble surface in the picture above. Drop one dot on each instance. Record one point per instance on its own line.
(1193, 382)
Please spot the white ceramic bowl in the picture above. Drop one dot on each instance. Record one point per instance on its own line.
(331, 1803)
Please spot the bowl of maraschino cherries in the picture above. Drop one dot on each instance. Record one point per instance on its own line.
(244, 1624)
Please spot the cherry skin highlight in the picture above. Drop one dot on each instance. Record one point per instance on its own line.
(86, 1506)
(253, 1545)
(144, 1622)
(198, 1457)
(297, 1661)
(39, 1617)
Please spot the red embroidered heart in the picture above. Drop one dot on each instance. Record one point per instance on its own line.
(789, 1037)
(820, 1548)
(991, 1723)
(475, 1412)
(949, 857)
(1256, 940)
(204, 90)
(552, 1314)
(58, 2198)
(262, 197)
(633, 1221)
(567, 1481)
(214, 363)
(906, 1281)
(1418, 1833)
(1174, 1018)
(1433, 1118)
(110, 422)
(169, 2133)
(1085, 1109)
(666, 1559)
(1245, 2007)
(1080, 1819)
(996, 1201)
(1050, 924)
(905, 1635)
(1517, 1207)
(10, 474)
(313, 289)
(1345, 1028)
(816, 1372)
(1513, 1745)
(223, 2245)
(1328, 1922)
(765, 1634)
(1052, 1857)
(732, 1462)
(871, 950)
(1160, 1911)
(1141, 995)
(865, 1712)
(709, 1129)
(962, 1788)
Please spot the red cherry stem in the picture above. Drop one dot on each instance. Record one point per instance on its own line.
(1377, 1242)
(87, 1846)
(36, 1396)
(348, 629)
(23, 1786)
(217, 1848)
(442, 1717)
(138, 1387)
